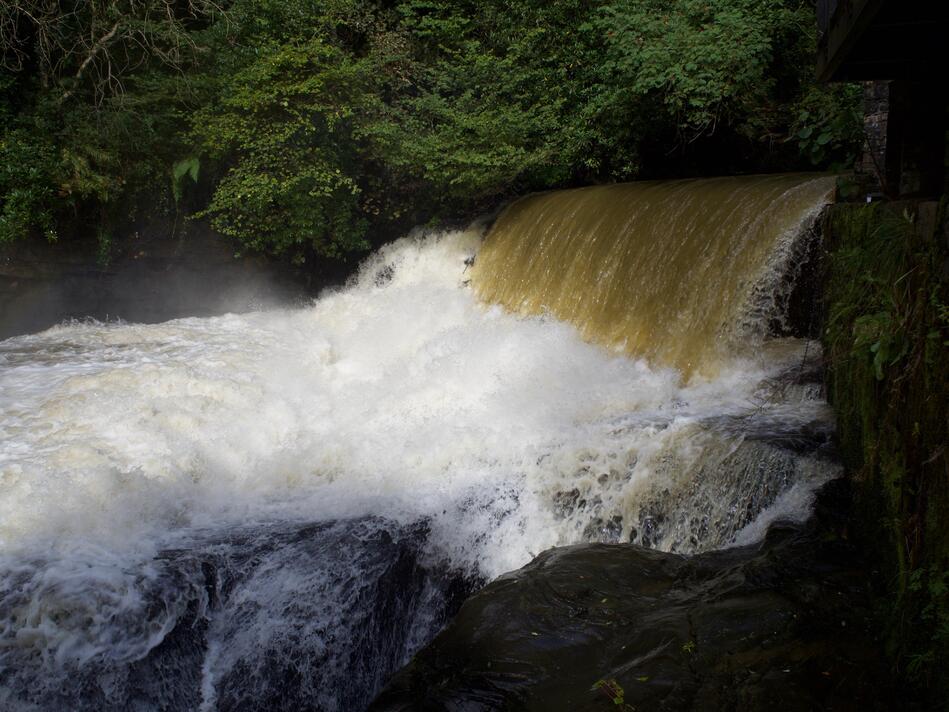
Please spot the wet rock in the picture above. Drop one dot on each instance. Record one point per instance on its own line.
(785, 624)
(263, 617)
(604, 530)
(705, 506)
(565, 503)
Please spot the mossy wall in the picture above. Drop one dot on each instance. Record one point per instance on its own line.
(886, 337)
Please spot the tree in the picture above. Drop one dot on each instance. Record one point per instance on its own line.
(92, 46)
(90, 90)
(317, 123)
(286, 129)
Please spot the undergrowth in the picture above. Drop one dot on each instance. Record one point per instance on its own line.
(887, 344)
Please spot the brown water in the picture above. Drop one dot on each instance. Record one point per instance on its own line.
(679, 272)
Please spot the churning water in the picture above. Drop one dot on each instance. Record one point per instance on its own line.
(275, 510)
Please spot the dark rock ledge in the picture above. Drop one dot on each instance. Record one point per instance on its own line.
(782, 625)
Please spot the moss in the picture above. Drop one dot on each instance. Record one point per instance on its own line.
(887, 343)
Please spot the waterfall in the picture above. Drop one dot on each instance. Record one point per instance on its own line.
(275, 510)
(671, 271)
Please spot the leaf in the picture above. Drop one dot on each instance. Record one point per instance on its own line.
(612, 689)
(879, 359)
(187, 167)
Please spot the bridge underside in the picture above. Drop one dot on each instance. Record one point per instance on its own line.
(880, 39)
(899, 48)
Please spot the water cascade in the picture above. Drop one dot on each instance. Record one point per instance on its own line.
(277, 509)
(676, 271)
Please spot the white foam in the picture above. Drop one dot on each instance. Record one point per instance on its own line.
(399, 395)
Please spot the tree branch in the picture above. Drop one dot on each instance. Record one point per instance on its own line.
(96, 48)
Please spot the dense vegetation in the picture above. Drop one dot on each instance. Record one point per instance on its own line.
(300, 127)
(887, 335)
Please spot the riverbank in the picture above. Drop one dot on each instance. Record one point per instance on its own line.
(887, 330)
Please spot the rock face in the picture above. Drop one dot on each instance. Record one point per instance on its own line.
(781, 625)
(263, 616)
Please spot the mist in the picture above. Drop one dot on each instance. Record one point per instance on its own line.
(155, 277)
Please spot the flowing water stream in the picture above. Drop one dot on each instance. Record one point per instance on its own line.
(276, 509)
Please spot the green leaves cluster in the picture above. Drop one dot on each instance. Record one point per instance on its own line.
(28, 166)
(705, 61)
(495, 98)
(316, 123)
(287, 131)
(828, 125)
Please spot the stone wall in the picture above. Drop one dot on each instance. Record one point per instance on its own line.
(904, 152)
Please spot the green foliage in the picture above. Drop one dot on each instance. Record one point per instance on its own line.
(930, 583)
(507, 97)
(704, 61)
(315, 124)
(496, 101)
(828, 125)
(288, 127)
(27, 166)
(887, 338)
(739, 67)
(91, 97)
(185, 168)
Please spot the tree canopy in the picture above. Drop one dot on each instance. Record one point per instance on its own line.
(301, 127)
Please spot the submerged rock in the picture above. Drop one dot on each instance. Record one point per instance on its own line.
(784, 624)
